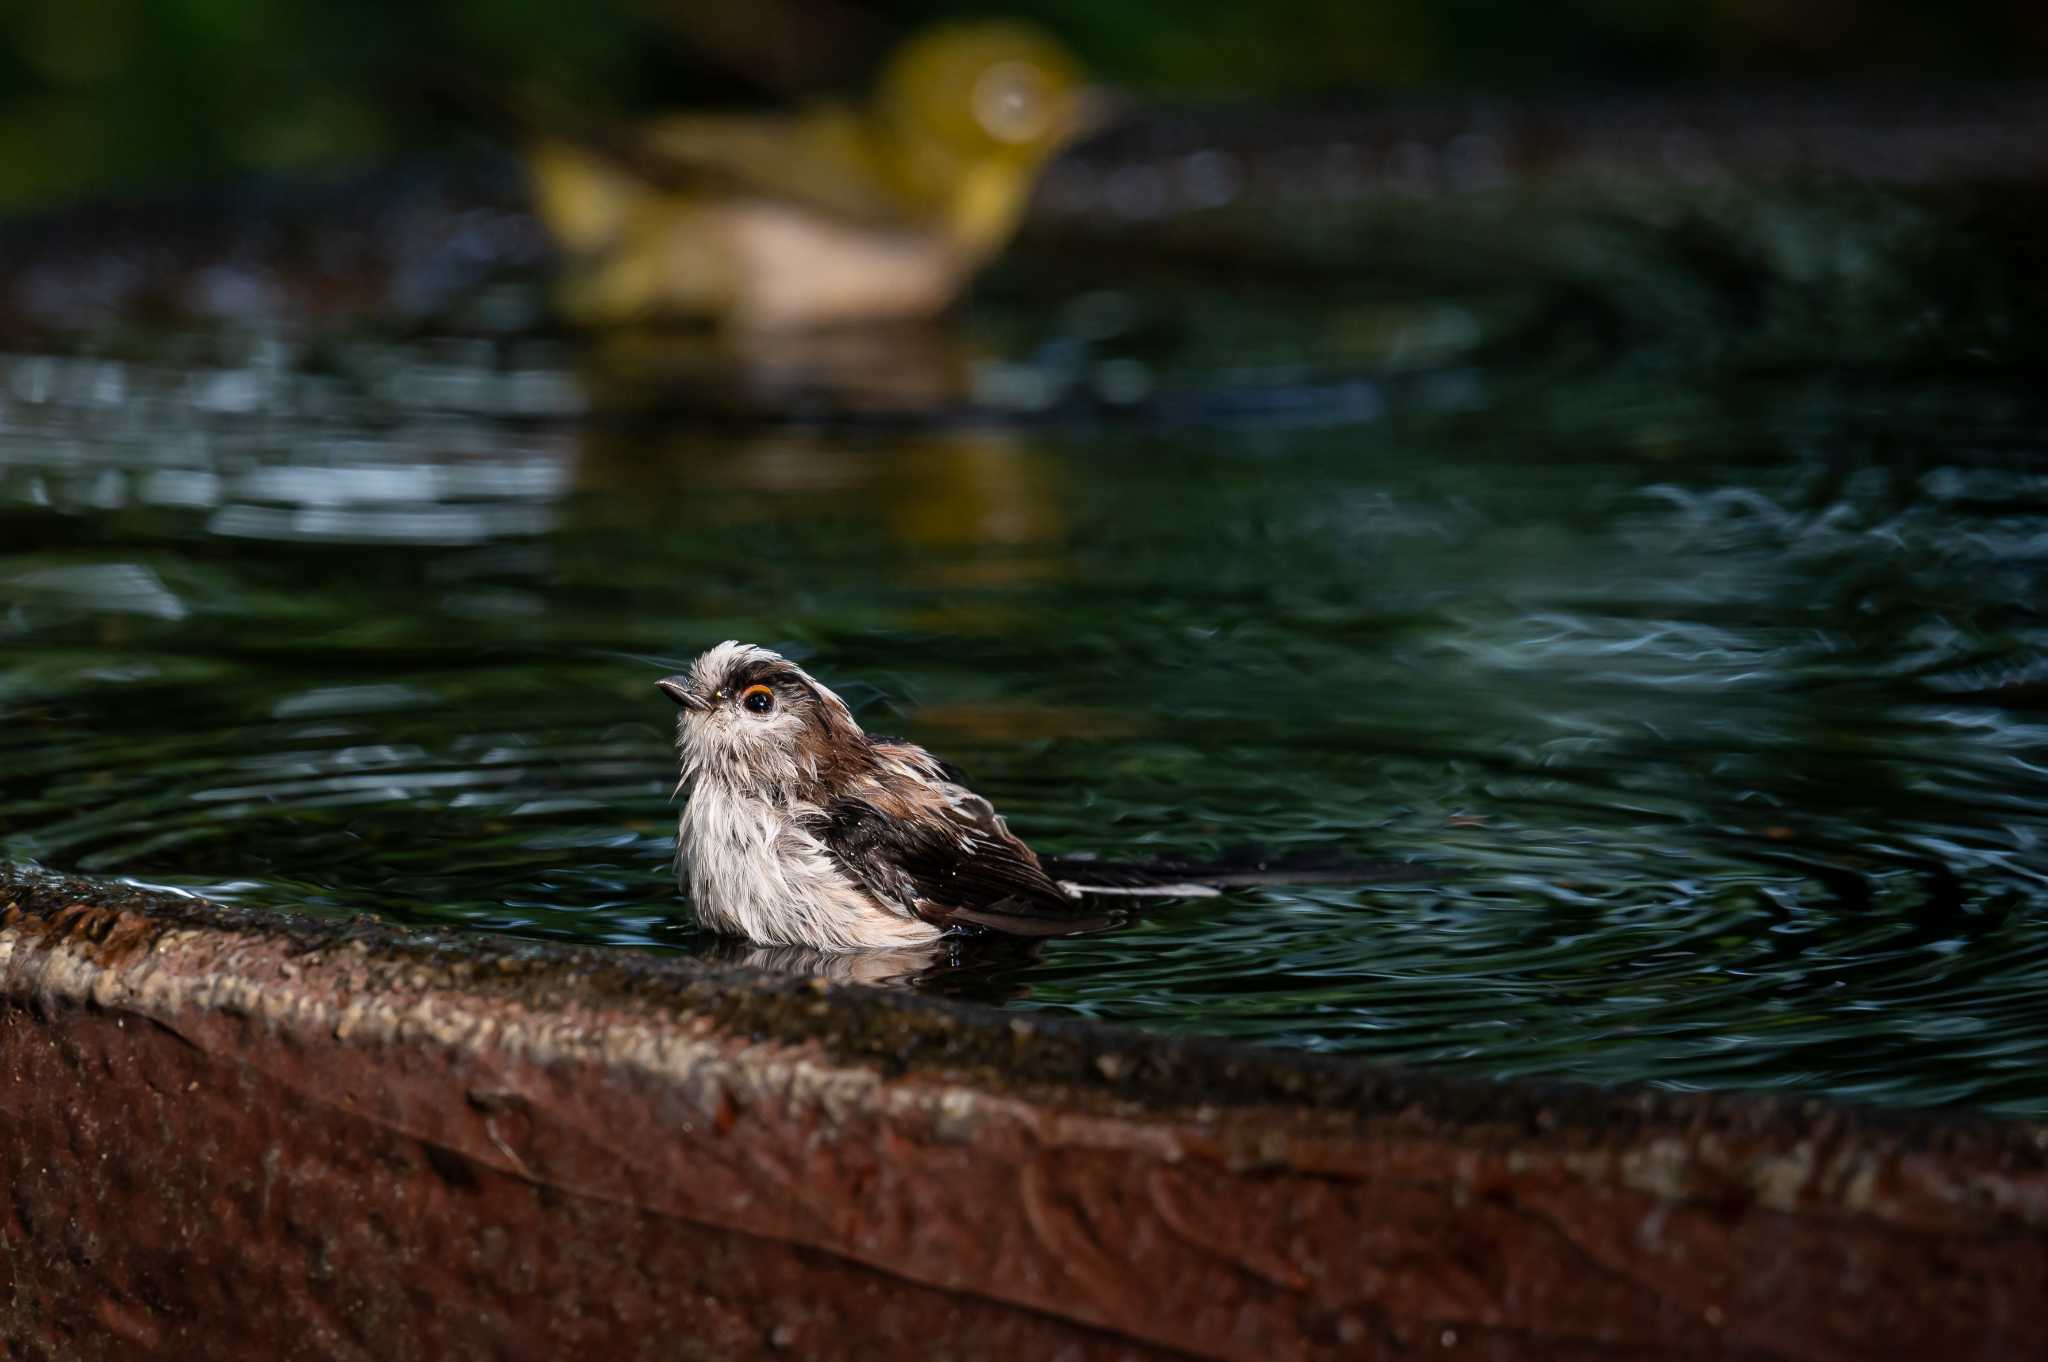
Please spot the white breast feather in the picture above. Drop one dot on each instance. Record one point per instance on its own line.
(753, 868)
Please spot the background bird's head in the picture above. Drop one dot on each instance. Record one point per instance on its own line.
(971, 111)
(755, 719)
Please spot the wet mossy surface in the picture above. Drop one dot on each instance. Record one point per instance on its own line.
(905, 1034)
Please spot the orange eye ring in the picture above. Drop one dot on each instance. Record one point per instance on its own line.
(758, 699)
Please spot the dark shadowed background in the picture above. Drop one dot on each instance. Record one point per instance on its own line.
(107, 94)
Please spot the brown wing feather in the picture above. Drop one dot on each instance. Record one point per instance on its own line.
(942, 852)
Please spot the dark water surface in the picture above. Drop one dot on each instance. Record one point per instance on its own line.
(1671, 587)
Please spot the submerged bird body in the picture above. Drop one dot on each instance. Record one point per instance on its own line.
(821, 218)
(800, 829)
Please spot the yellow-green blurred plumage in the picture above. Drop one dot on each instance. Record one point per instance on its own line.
(828, 216)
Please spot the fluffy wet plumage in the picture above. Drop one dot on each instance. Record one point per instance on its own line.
(800, 829)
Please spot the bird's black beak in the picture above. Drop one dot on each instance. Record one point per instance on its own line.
(678, 688)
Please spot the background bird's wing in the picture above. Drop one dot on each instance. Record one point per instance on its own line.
(823, 158)
(819, 160)
(596, 183)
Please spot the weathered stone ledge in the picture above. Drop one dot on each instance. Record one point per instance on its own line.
(234, 1134)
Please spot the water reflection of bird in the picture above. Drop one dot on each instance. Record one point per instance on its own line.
(902, 965)
(981, 969)
(829, 216)
(976, 507)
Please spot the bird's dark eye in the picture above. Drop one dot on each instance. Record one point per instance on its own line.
(758, 699)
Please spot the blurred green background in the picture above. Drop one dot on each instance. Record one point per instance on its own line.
(110, 96)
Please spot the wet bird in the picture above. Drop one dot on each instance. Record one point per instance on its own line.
(799, 829)
(825, 217)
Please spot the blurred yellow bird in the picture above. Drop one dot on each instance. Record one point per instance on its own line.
(826, 217)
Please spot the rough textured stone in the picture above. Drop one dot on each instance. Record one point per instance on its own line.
(231, 1134)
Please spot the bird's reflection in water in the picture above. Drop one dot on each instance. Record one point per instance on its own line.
(965, 507)
(904, 371)
(971, 968)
